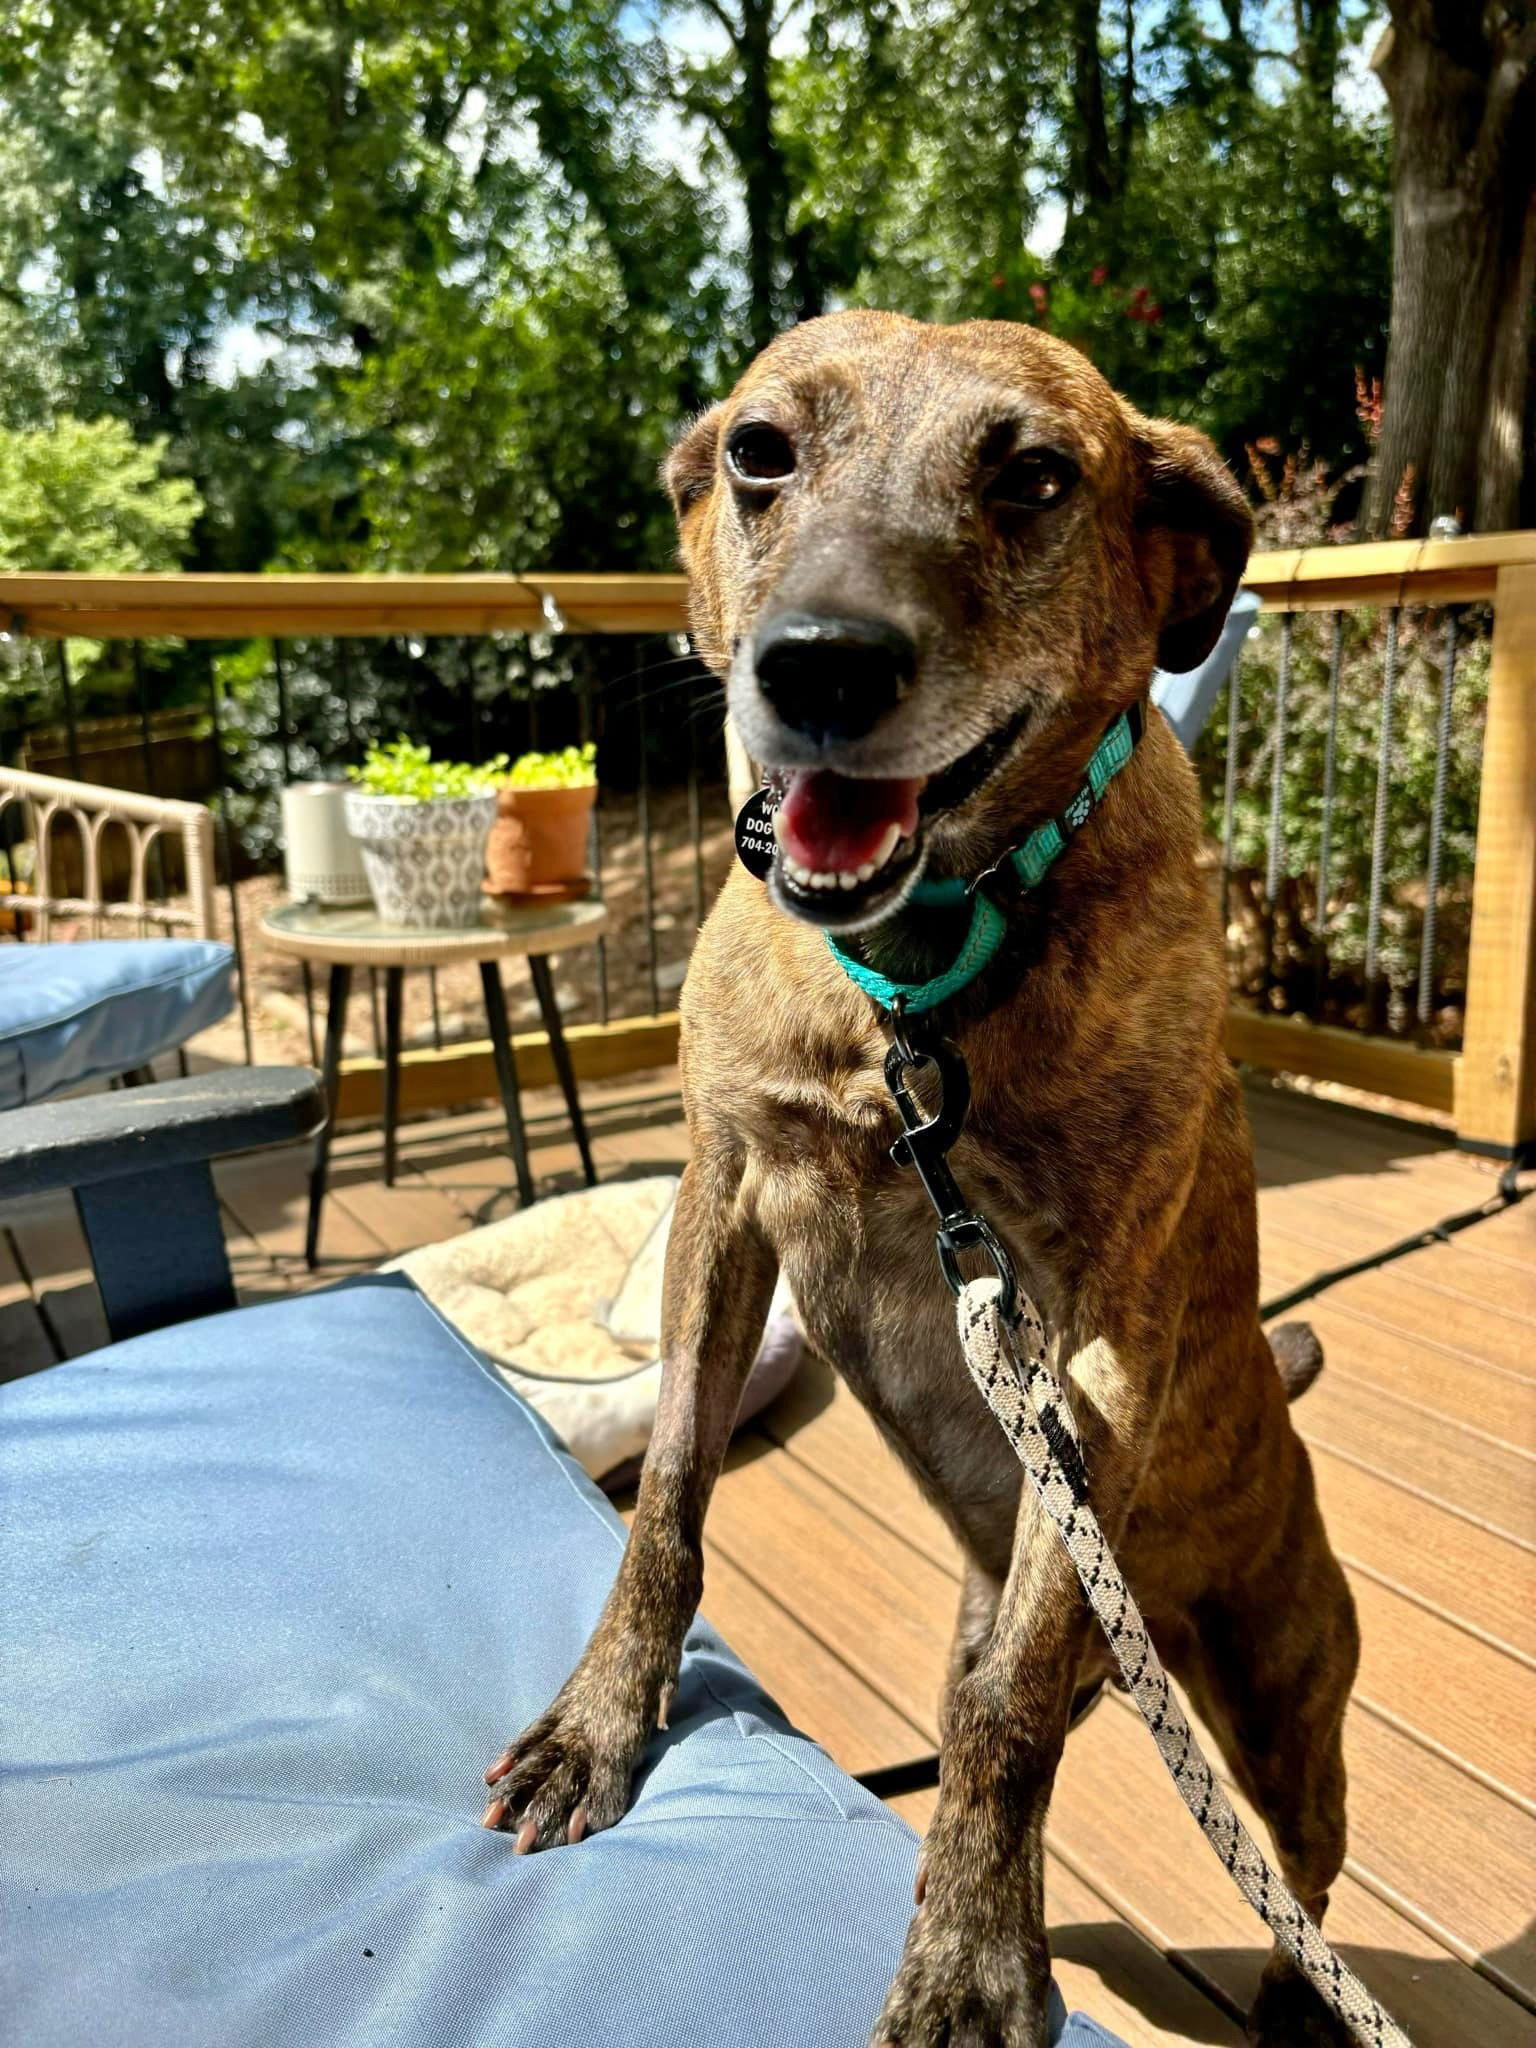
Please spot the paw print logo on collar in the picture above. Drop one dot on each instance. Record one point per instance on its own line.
(1077, 811)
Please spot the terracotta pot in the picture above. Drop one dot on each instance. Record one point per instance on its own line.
(538, 844)
(424, 861)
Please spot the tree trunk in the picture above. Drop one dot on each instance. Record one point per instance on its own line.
(1501, 451)
(762, 170)
(1093, 171)
(1318, 39)
(1457, 370)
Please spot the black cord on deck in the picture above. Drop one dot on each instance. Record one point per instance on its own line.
(1510, 1192)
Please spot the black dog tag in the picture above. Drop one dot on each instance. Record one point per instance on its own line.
(755, 843)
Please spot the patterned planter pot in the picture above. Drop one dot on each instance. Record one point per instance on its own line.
(424, 860)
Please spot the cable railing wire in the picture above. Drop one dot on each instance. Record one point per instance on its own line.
(1330, 790)
(1374, 994)
(1437, 818)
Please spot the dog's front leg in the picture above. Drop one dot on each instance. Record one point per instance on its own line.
(975, 1972)
(569, 1773)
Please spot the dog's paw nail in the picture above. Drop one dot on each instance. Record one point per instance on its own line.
(577, 1825)
(494, 1814)
(920, 1887)
(665, 1706)
(527, 1835)
(502, 1765)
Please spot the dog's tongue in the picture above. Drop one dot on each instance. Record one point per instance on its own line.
(833, 824)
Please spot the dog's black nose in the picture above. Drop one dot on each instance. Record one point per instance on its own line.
(830, 676)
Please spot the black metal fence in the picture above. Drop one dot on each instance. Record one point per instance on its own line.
(278, 711)
(1339, 774)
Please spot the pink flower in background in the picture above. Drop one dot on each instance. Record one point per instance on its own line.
(1154, 314)
(1040, 296)
(998, 281)
(1099, 274)
(1141, 294)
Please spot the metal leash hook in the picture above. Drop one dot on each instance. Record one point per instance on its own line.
(925, 1145)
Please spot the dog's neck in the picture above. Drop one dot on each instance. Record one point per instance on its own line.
(920, 940)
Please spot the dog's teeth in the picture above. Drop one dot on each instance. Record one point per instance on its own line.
(847, 880)
(797, 873)
(823, 881)
(887, 846)
(778, 826)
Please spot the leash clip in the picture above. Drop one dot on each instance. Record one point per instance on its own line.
(925, 1145)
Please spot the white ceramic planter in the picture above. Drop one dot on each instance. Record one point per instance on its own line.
(425, 861)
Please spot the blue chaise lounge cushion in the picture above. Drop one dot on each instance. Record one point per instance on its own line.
(81, 1011)
(278, 1585)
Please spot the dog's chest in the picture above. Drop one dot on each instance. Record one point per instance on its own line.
(855, 1238)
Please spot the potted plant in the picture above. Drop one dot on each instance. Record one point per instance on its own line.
(421, 825)
(538, 844)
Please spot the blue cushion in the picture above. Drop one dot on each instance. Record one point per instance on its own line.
(1187, 701)
(278, 1584)
(95, 1007)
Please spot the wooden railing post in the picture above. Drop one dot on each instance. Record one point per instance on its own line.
(1496, 1074)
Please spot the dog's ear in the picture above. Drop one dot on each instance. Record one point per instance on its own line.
(689, 470)
(1194, 533)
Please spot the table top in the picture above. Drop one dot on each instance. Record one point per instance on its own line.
(359, 937)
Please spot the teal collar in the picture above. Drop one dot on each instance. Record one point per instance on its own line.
(1020, 869)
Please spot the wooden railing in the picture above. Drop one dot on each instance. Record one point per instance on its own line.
(1489, 1088)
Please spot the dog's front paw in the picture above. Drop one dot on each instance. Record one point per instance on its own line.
(958, 1987)
(568, 1774)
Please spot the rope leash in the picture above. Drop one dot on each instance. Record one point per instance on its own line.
(1007, 1360)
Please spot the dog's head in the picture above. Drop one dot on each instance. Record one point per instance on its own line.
(932, 564)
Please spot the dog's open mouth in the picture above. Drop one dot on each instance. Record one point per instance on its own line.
(848, 846)
(851, 847)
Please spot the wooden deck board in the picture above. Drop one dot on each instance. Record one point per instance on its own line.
(1117, 1817)
(1450, 1565)
(25, 1343)
(1470, 1476)
(838, 1583)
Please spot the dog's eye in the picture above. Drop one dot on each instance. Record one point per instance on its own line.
(760, 455)
(1033, 480)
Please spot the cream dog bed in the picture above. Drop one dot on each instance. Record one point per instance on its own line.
(565, 1300)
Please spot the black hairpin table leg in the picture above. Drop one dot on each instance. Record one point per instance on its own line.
(394, 986)
(560, 1053)
(335, 1032)
(506, 1075)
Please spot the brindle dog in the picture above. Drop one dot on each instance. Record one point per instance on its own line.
(933, 564)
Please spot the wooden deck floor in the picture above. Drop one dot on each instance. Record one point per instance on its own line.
(837, 1584)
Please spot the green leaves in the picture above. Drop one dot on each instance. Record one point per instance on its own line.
(85, 495)
(408, 771)
(570, 768)
(428, 284)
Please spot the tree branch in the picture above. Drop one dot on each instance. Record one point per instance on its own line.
(726, 21)
(1230, 46)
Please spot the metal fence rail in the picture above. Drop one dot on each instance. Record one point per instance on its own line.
(1355, 924)
(656, 717)
(1363, 932)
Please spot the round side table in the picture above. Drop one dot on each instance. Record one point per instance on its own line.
(345, 939)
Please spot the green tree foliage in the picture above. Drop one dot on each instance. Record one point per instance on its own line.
(421, 285)
(85, 495)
